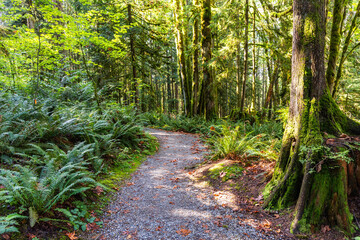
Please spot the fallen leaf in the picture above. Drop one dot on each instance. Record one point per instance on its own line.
(183, 232)
(325, 228)
(130, 183)
(31, 236)
(259, 198)
(222, 174)
(5, 236)
(71, 236)
(159, 186)
(98, 190)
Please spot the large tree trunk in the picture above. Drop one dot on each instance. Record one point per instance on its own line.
(319, 193)
(207, 99)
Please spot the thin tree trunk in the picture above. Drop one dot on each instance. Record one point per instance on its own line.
(181, 53)
(253, 87)
(134, 84)
(270, 91)
(246, 56)
(335, 40)
(344, 50)
(196, 73)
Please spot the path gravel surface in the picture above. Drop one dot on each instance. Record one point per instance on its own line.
(162, 202)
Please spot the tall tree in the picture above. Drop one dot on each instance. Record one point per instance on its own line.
(207, 98)
(246, 56)
(183, 57)
(312, 111)
(253, 85)
(134, 84)
(196, 72)
(335, 39)
(344, 51)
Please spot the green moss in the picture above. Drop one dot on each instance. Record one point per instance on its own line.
(225, 172)
(327, 202)
(309, 28)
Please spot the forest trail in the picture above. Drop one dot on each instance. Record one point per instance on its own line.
(162, 202)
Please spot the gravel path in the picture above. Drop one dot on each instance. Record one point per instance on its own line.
(162, 202)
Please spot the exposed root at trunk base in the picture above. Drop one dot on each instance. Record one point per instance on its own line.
(323, 195)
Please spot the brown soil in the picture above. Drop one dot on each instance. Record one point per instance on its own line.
(244, 194)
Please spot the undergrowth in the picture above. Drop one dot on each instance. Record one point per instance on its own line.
(57, 158)
(227, 139)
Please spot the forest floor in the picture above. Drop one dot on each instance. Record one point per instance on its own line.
(171, 196)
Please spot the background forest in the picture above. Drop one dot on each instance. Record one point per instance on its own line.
(78, 79)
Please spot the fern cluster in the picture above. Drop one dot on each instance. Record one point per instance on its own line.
(235, 142)
(52, 152)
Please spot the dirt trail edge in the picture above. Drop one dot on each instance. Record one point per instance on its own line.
(162, 202)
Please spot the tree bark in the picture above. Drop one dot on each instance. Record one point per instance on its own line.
(182, 57)
(319, 195)
(207, 90)
(335, 40)
(134, 85)
(344, 50)
(253, 87)
(270, 91)
(246, 56)
(196, 73)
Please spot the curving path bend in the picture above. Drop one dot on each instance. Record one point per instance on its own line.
(162, 202)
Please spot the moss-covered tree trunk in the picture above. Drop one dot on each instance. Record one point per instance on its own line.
(196, 72)
(345, 50)
(246, 57)
(335, 38)
(269, 95)
(181, 49)
(134, 84)
(319, 192)
(207, 96)
(253, 84)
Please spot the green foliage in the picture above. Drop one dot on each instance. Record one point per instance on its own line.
(180, 123)
(79, 217)
(233, 142)
(225, 172)
(8, 224)
(40, 190)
